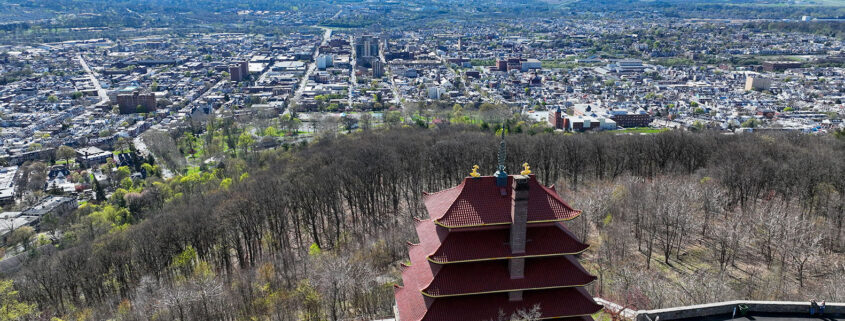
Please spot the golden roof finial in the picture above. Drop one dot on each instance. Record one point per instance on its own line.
(474, 172)
(526, 169)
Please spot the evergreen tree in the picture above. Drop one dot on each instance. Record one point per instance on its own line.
(99, 194)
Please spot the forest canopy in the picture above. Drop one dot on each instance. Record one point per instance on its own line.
(317, 231)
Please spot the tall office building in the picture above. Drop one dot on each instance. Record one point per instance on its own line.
(239, 71)
(325, 61)
(378, 67)
(366, 46)
(235, 73)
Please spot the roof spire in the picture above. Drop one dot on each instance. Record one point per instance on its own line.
(502, 151)
(501, 175)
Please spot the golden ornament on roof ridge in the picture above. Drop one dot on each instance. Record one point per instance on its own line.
(474, 172)
(526, 169)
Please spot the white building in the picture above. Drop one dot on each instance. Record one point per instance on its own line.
(7, 185)
(756, 82)
(324, 61)
(531, 64)
(435, 92)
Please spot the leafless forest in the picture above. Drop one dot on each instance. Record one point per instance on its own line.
(317, 232)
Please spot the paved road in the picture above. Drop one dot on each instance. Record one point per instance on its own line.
(311, 66)
(336, 15)
(397, 99)
(104, 97)
(353, 80)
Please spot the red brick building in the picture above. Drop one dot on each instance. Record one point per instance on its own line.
(239, 71)
(781, 65)
(495, 243)
(502, 65)
(632, 120)
(556, 119)
(136, 102)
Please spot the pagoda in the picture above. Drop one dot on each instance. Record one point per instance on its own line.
(493, 245)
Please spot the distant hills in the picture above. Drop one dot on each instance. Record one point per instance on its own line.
(719, 9)
(16, 11)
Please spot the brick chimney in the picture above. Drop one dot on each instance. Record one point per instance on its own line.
(519, 221)
(519, 214)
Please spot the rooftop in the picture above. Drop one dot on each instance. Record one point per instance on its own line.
(470, 246)
(46, 205)
(489, 277)
(487, 306)
(479, 202)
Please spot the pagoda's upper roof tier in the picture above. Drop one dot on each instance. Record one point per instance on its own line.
(480, 202)
(488, 277)
(482, 245)
(568, 304)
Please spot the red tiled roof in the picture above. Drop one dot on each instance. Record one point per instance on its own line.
(494, 276)
(478, 202)
(483, 276)
(419, 272)
(567, 303)
(475, 286)
(462, 246)
(410, 303)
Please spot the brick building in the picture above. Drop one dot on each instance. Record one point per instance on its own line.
(136, 102)
(556, 119)
(239, 71)
(629, 120)
(780, 65)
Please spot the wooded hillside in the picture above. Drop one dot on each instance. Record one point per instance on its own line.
(317, 232)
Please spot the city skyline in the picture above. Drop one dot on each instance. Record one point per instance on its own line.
(422, 160)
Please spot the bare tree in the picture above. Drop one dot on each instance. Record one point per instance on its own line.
(728, 237)
(594, 204)
(672, 201)
(803, 238)
(532, 314)
(521, 315)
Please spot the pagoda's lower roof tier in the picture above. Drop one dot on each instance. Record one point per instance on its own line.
(494, 276)
(561, 304)
(480, 245)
